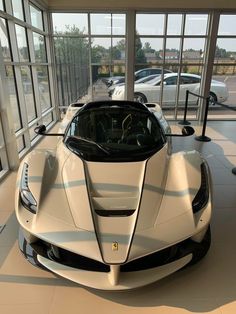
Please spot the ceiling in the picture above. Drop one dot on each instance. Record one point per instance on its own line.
(67, 5)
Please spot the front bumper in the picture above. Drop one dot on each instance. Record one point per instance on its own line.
(100, 280)
(94, 274)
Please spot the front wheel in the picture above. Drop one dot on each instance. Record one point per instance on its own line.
(140, 98)
(212, 99)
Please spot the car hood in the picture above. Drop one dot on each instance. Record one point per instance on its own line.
(108, 198)
(217, 83)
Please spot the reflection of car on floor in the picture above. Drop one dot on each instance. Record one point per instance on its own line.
(150, 91)
(111, 207)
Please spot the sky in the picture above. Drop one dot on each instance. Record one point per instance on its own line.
(152, 25)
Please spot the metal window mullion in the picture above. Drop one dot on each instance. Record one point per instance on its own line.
(67, 73)
(13, 41)
(164, 56)
(36, 91)
(39, 4)
(7, 120)
(90, 56)
(3, 153)
(226, 36)
(8, 7)
(111, 45)
(3, 158)
(33, 72)
(26, 63)
(49, 46)
(22, 23)
(51, 89)
(2, 141)
(180, 64)
(30, 42)
(209, 59)
(46, 21)
(26, 11)
(130, 55)
(93, 36)
(22, 102)
(45, 113)
(52, 68)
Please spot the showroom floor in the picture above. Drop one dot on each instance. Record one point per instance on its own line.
(208, 287)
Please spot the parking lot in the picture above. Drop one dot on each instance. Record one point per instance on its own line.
(227, 110)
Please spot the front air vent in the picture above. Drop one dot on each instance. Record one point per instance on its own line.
(24, 180)
(114, 212)
(77, 105)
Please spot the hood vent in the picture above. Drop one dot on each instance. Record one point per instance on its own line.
(114, 212)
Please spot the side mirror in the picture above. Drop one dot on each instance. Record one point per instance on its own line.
(41, 129)
(187, 131)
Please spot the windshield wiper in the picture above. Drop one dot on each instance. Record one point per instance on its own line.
(77, 138)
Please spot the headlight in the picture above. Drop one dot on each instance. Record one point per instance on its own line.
(202, 196)
(118, 91)
(26, 197)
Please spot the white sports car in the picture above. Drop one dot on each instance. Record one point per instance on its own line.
(151, 91)
(111, 208)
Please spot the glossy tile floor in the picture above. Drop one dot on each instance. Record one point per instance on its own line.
(208, 287)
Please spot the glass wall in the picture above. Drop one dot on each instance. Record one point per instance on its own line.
(172, 47)
(11, 82)
(90, 58)
(28, 69)
(224, 71)
(17, 8)
(71, 55)
(36, 16)
(89, 49)
(108, 51)
(170, 58)
(1, 5)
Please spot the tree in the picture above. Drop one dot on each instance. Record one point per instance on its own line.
(148, 48)
(220, 52)
(139, 52)
(118, 50)
(121, 45)
(99, 53)
(72, 64)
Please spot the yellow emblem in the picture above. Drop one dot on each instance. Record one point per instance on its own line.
(114, 246)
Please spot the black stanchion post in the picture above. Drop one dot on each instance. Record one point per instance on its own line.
(203, 137)
(185, 122)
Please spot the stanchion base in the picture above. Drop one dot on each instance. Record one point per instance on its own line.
(184, 122)
(203, 138)
(234, 170)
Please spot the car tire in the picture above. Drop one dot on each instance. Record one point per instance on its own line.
(212, 99)
(139, 97)
(201, 249)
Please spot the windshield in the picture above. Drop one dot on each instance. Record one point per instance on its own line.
(147, 79)
(154, 81)
(114, 134)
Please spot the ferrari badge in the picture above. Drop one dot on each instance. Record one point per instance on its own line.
(114, 246)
